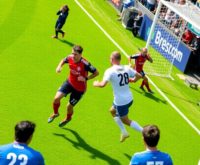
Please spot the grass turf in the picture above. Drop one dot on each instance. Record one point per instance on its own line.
(28, 83)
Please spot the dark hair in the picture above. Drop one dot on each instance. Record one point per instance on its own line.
(23, 131)
(66, 7)
(151, 135)
(78, 49)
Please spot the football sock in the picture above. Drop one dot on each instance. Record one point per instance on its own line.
(147, 86)
(143, 83)
(55, 107)
(69, 116)
(56, 33)
(136, 126)
(120, 124)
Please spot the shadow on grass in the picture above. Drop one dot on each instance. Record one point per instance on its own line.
(149, 95)
(66, 42)
(128, 156)
(81, 143)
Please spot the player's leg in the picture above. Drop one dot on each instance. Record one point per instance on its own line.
(124, 133)
(146, 83)
(74, 99)
(59, 29)
(131, 123)
(143, 81)
(56, 104)
(123, 112)
(62, 91)
(56, 31)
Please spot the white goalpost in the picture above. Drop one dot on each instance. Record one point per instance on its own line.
(164, 40)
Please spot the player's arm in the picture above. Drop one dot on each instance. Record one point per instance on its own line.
(90, 68)
(136, 76)
(93, 75)
(59, 12)
(100, 84)
(59, 67)
(130, 58)
(104, 82)
(149, 58)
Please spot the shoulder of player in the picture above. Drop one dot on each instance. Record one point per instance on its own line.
(34, 152)
(84, 61)
(135, 55)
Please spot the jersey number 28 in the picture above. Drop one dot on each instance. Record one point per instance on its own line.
(123, 79)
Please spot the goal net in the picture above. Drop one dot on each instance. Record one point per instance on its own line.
(164, 41)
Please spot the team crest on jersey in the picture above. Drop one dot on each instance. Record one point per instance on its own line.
(78, 68)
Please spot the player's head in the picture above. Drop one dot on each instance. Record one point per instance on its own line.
(77, 52)
(151, 135)
(115, 57)
(65, 8)
(24, 131)
(144, 51)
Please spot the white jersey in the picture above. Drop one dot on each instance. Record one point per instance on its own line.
(119, 76)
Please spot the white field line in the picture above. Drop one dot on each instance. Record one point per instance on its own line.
(155, 86)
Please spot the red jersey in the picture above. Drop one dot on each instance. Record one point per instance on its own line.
(139, 61)
(77, 69)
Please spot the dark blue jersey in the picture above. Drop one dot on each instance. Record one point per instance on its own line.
(151, 158)
(62, 16)
(18, 153)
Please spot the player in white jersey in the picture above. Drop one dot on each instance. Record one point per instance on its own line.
(119, 75)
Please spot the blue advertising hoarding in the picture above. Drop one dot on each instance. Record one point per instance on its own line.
(161, 41)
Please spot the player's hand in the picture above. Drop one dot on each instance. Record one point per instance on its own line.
(96, 83)
(81, 78)
(58, 69)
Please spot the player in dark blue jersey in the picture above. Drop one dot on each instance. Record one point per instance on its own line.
(63, 13)
(152, 156)
(19, 153)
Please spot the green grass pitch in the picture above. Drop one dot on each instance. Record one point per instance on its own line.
(28, 82)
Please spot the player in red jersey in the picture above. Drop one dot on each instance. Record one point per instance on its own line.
(76, 83)
(140, 59)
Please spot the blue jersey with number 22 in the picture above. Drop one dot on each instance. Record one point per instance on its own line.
(19, 154)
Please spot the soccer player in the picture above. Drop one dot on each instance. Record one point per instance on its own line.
(151, 136)
(19, 152)
(118, 75)
(76, 83)
(63, 13)
(140, 59)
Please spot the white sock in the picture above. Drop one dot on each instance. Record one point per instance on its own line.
(136, 126)
(121, 125)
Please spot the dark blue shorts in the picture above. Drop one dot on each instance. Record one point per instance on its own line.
(59, 25)
(123, 109)
(75, 95)
(142, 73)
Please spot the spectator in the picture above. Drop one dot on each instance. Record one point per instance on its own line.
(151, 136)
(63, 13)
(125, 6)
(195, 56)
(151, 4)
(19, 152)
(137, 23)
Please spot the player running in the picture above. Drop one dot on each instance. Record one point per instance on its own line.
(118, 75)
(76, 83)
